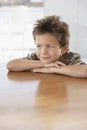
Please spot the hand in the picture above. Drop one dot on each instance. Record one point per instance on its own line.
(56, 64)
(44, 70)
(49, 68)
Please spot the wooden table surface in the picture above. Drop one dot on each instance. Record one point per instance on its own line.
(35, 101)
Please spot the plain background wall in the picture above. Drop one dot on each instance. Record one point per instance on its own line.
(74, 13)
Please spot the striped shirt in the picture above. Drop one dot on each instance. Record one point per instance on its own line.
(68, 58)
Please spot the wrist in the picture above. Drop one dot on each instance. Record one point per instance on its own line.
(40, 64)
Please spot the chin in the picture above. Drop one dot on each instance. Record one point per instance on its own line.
(46, 62)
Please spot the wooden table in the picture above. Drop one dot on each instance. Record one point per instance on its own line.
(35, 101)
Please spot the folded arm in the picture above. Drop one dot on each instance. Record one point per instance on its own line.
(69, 70)
(55, 67)
(23, 64)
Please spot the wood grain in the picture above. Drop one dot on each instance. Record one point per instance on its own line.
(35, 101)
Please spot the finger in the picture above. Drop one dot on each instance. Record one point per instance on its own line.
(35, 70)
(42, 70)
(60, 63)
(52, 65)
(48, 65)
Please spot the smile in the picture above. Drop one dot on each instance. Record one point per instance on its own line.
(45, 58)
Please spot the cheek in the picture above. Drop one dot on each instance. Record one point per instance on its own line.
(56, 52)
(59, 52)
(37, 53)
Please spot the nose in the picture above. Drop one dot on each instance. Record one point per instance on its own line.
(44, 50)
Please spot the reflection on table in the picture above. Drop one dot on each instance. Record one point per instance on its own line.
(35, 101)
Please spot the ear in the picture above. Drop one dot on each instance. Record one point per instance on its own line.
(64, 49)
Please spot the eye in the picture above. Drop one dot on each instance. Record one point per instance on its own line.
(38, 46)
(50, 46)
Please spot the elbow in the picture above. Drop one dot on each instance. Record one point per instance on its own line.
(15, 65)
(9, 66)
(84, 75)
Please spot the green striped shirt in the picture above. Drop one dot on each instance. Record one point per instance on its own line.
(69, 58)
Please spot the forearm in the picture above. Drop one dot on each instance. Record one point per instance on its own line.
(69, 70)
(23, 64)
(73, 70)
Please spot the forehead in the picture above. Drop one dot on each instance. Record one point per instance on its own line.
(46, 38)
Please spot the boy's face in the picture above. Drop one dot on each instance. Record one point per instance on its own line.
(47, 48)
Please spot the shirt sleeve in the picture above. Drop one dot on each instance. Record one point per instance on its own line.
(71, 58)
(76, 59)
(31, 56)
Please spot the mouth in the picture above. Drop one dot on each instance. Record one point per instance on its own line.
(45, 58)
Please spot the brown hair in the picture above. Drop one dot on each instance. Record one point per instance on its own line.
(53, 25)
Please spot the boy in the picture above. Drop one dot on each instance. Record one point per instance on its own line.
(51, 36)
